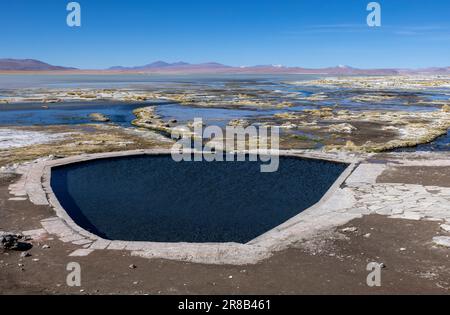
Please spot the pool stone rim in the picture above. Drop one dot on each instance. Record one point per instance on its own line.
(260, 248)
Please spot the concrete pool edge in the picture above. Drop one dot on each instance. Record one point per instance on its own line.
(40, 192)
(358, 195)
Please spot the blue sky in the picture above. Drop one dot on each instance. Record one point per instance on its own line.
(313, 33)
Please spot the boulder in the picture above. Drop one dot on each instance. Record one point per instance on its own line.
(239, 123)
(342, 128)
(11, 241)
(98, 117)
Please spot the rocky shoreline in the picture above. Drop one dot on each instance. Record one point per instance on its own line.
(320, 120)
(397, 129)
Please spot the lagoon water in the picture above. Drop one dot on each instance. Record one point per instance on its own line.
(267, 87)
(119, 113)
(153, 198)
(64, 114)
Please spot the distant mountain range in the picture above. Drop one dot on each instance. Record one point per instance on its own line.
(213, 67)
(28, 65)
(177, 66)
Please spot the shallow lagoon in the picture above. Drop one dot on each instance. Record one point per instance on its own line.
(64, 114)
(271, 88)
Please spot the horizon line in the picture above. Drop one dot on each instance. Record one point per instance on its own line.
(182, 63)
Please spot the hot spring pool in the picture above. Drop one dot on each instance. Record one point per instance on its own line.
(152, 198)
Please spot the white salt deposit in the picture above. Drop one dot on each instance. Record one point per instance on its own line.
(11, 138)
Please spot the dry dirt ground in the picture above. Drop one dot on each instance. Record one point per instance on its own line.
(334, 263)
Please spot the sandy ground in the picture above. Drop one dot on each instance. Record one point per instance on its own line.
(334, 263)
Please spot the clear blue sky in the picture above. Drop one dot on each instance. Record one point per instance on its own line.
(313, 33)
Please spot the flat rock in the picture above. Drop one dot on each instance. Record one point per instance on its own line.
(349, 230)
(17, 199)
(442, 241)
(81, 252)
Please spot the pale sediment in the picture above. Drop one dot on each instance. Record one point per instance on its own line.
(403, 82)
(16, 138)
(65, 141)
(147, 118)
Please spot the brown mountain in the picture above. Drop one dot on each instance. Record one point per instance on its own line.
(28, 65)
(161, 66)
